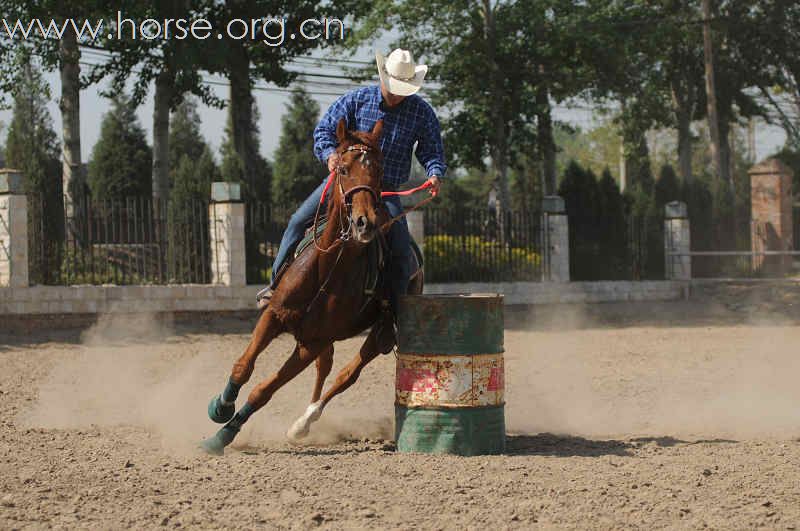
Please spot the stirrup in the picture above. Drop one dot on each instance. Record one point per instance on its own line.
(263, 297)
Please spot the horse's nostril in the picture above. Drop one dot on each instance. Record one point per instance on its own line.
(361, 222)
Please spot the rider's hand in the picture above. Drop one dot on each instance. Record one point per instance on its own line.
(436, 183)
(333, 161)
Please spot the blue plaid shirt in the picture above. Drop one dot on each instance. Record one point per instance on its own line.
(412, 121)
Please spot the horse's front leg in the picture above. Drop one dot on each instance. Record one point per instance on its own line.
(346, 377)
(223, 406)
(261, 394)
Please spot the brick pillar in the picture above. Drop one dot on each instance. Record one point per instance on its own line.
(677, 239)
(226, 217)
(13, 230)
(556, 229)
(416, 226)
(771, 215)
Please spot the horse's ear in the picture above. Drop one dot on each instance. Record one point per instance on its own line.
(341, 131)
(377, 131)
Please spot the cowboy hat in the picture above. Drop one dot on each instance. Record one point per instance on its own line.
(399, 73)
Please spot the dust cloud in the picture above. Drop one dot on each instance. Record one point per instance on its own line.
(134, 370)
(574, 377)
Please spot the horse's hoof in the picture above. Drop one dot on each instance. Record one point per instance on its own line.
(298, 430)
(302, 426)
(213, 446)
(216, 445)
(220, 413)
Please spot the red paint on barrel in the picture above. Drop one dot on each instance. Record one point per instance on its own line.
(416, 380)
(497, 379)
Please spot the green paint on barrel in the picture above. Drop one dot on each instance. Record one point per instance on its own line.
(464, 431)
(441, 326)
(450, 324)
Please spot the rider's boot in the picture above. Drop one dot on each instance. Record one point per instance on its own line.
(387, 335)
(265, 295)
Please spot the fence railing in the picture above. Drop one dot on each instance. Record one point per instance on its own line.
(741, 264)
(264, 226)
(136, 240)
(466, 245)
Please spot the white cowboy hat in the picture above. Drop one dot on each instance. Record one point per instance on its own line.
(399, 73)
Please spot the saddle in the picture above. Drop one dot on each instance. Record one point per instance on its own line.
(376, 258)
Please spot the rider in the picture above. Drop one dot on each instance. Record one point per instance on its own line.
(407, 120)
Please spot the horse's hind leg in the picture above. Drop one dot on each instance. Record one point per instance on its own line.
(324, 365)
(346, 377)
(222, 407)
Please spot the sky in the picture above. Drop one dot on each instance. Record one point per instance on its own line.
(272, 106)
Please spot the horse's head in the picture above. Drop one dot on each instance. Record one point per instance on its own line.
(359, 177)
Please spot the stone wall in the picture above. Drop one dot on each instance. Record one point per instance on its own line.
(66, 300)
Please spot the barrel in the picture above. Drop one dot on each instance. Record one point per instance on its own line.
(450, 383)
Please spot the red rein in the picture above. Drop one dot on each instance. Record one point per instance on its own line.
(423, 186)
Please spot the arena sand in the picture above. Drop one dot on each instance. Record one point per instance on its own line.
(653, 424)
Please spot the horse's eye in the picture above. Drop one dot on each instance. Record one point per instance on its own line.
(343, 170)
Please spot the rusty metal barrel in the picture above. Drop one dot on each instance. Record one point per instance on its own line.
(450, 383)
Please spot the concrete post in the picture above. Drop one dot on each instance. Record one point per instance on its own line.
(416, 226)
(677, 239)
(13, 230)
(772, 228)
(226, 216)
(556, 228)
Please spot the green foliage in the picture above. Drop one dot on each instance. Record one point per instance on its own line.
(192, 170)
(121, 159)
(232, 167)
(32, 147)
(668, 187)
(464, 257)
(297, 170)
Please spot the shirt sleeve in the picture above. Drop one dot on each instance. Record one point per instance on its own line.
(430, 148)
(325, 140)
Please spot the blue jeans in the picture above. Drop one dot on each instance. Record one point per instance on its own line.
(399, 241)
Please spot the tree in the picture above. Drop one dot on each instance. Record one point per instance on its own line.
(32, 147)
(63, 53)
(297, 170)
(233, 169)
(185, 138)
(121, 159)
(172, 66)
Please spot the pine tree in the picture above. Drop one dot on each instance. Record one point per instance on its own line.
(121, 162)
(192, 170)
(32, 148)
(184, 135)
(297, 170)
(32, 145)
(256, 187)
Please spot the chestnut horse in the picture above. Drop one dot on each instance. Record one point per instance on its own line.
(320, 297)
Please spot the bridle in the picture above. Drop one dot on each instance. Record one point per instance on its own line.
(345, 215)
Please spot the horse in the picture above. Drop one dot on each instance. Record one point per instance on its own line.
(318, 299)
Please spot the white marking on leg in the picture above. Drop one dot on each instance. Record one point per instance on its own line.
(302, 425)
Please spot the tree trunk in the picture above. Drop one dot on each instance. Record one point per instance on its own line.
(547, 145)
(161, 106)
(499, 149)
(711, 93)
(683, 105)
(69, 104)
(241, 110)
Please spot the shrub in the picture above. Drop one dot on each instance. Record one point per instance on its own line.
(472, 258)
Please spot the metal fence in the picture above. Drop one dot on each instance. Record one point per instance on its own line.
(264, 226)
(136, 240)
(628, 248)
(460, 245)
(466, 245)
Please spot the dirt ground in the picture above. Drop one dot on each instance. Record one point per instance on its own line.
(650, 415)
